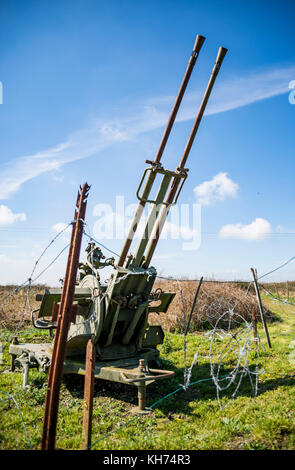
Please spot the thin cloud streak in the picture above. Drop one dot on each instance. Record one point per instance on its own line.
(229, 94)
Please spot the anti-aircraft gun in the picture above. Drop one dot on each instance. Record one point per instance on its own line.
(115, 315)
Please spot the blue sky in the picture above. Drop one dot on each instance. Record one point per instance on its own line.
(87, 89)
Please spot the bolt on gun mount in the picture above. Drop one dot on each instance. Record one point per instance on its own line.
(115, 316)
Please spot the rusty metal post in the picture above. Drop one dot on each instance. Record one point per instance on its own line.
(141, 387)
(63, 323)
(88, 395)
(260, 307)
(141, 396)
(55, 308)
(139, 210)
(193, 306)
(176, 180)
(254, 323)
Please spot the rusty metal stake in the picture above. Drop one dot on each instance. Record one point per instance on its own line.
(193, 306)
(260, 307)
(88, 395)
(141, 396)
(63, 322)
(254, 323)
(141, 387)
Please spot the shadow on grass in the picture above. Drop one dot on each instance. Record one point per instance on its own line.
(180, 401)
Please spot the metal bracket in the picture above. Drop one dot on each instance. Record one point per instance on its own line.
(158, 374)
(162, 171)
(26, 361)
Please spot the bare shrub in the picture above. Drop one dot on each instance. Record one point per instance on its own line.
(12, 310)
(214, 300)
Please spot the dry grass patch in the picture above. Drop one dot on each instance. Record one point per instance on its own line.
(12, 309)
(215, 299)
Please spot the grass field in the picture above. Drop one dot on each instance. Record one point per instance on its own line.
(189, 419)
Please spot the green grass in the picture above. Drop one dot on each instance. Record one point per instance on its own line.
(189, 419)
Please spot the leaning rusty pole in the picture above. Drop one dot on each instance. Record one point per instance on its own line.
(255, 280)
(64, 318)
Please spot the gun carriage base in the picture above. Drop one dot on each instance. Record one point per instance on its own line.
(131, 371)
(114, 317)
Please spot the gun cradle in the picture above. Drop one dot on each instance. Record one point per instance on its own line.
(115, 317)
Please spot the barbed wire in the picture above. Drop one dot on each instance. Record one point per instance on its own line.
(11, 397)
(238, 343)
(99, 243)
(142, 413)
(277, 268)
(284, 301)
(244, 340)
(29, 280)
(234, 377)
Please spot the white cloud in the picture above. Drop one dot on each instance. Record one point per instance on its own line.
(259, 229)
(217, 189)
(230, 93)
(7, 217)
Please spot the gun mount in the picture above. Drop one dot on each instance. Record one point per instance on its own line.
(115, 316)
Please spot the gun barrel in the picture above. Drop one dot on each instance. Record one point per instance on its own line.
(193, 58)
(176, 181)
(150, 180)
(220, 56)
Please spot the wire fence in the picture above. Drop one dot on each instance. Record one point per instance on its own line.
(228, 328)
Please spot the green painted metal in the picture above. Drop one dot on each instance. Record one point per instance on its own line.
(132, 371)
(115, 316)
(151, 220)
